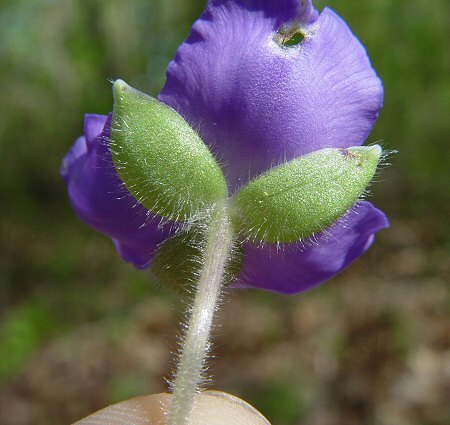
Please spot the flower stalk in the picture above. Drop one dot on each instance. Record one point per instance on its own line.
(195, 346)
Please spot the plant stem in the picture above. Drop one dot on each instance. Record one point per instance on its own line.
(195, 346)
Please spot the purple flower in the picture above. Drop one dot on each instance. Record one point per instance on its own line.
(258, 96)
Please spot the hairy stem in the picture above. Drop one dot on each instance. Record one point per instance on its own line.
(196, 341)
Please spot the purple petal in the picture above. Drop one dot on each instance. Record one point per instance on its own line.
(93, 128)
(256, 103)
(101, 200)
(297, 267)
(77, 151)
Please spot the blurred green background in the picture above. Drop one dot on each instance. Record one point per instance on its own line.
(80, 329)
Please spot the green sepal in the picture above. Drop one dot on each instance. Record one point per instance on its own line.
(304, 196)
(160, 158)
(178, 260)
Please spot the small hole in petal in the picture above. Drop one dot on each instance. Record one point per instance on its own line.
(289, 36)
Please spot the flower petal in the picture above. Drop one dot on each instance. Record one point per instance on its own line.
(257, 103)
(77, 151)
(101, 200)
(93, 127)
(297, 267)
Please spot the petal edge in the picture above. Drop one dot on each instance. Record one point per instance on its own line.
(302, 266)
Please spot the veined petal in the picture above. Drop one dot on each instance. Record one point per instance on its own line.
(294, 268)
(100, 199)
(257, 103)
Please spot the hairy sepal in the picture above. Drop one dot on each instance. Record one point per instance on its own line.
(179, 260)
(304, 196)
(161, 159)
